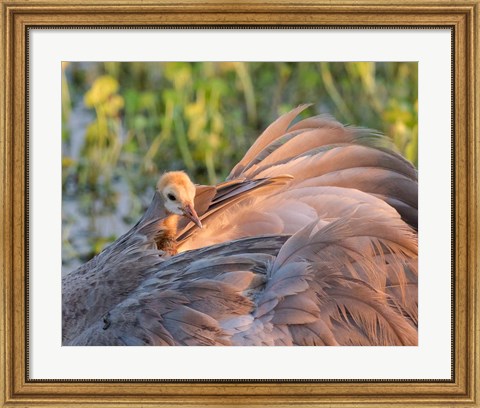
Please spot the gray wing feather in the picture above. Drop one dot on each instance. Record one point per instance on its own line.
(336, 263)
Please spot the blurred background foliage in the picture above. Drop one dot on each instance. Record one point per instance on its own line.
(124, 123)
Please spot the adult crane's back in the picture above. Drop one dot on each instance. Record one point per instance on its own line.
(324, 166)
(310, 241)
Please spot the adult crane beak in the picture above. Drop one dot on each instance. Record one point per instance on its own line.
(190, 213)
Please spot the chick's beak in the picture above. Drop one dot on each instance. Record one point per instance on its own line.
(190, 213)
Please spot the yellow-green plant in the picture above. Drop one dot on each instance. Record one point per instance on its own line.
(103, 144)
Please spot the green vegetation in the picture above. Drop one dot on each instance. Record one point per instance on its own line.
(126, 123)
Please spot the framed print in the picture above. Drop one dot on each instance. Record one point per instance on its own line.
(278, 218)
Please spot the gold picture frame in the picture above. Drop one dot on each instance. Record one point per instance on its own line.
(17, 16)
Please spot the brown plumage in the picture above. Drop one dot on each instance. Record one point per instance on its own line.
(310, 241)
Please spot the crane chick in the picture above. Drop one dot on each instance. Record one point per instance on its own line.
(178, 194)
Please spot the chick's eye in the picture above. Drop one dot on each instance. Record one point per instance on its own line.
(171, 197)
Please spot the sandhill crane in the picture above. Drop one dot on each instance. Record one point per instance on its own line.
(178, 193)
(310, 241)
